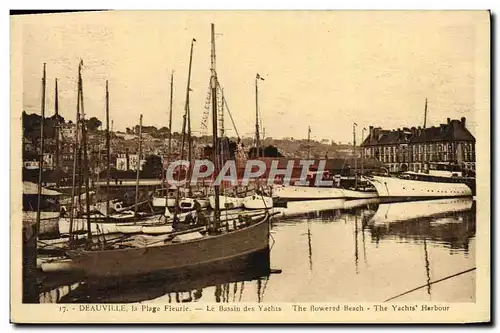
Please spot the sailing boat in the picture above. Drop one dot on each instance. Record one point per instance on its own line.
(189, 249)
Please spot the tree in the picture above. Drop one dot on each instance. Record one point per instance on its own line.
(93, 124)
(269, 151)
(272, 151)
(153, 167)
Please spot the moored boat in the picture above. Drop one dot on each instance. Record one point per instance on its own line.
(393, 187)
(257, 202)
(285, 194)
(168, 256)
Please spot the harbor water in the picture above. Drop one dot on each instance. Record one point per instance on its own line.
(357, 251)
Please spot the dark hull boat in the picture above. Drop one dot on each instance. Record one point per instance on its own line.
(175, 255)
(246, 268)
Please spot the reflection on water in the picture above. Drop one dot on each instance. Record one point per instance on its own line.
(359, 251)
(450, 222)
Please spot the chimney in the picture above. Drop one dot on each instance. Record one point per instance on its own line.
(463, 121)
(413, 131)
(371, 133)
(448, 120)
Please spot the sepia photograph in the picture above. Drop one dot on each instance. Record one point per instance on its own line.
(250, 166)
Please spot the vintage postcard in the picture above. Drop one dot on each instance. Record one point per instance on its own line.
(250, 167)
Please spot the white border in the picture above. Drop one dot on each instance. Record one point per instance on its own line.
(186, 4)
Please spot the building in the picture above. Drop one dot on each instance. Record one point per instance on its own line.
(67, 132)
(125, 162)
(34, 164)
(412, 149)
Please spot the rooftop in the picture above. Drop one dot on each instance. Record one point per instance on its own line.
(453, 130)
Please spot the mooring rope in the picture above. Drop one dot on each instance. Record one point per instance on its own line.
(431, 283)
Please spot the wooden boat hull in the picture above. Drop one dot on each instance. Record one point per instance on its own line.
(391, 187)
(174, 256)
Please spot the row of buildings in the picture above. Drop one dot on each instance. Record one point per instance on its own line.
(123, 150)
(415, 148)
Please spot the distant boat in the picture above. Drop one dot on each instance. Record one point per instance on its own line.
(444, 173)
(257, 201)
(393, 187)
(285, 194)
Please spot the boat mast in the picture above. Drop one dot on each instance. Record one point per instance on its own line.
(188, 112)
(85, 159)
(257, 135)
(169, 147)
(309, 142)
(184, 121)
(425, 113)
(108, 153)
(355, 156)
(215, 142)
(56, 111)
(362, 152)
(138, 167)
(76, 150)
(40, 161)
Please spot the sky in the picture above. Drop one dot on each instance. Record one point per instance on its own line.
(322, 69)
